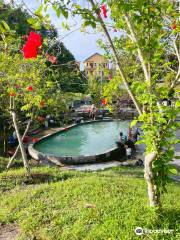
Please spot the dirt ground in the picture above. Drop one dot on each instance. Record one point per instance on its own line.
(9, 232)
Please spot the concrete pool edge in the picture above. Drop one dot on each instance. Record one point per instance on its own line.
(67, 160)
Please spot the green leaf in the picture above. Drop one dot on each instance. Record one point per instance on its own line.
(58, 12)
(5, 25)
(89, 23)
(56, 9)
(39, 10)
(64, 13)
(140, 142)
(31, 21)
(133, 123)
(2, 30)
(173, 170)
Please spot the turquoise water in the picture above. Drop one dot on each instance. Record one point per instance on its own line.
(86, 139)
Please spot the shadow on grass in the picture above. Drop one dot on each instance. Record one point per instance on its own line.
(171, 219)
(8, 182)
(128, 171)
(38, 178)
(132, 174)
(17, 163)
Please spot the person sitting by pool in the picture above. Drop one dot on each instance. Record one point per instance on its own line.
(136, 134)
(11, 140)
(130, 134)
(122, 138)
(131, 145)
(14, 135)
(122, 149)
(128, 152)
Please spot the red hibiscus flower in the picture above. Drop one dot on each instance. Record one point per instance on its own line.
(51, 58)
(104, 10)
(24, 37)
(35, 139)
(29, 50)
(174, 26)
(29, 88)
(110, 77)
(35, 38)
(42, 103)
(104, 102)
(12, 94)
(41, 119)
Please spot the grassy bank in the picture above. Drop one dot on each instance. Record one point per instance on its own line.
(60, 205)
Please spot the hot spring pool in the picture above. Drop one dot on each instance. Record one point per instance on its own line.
(87, 139)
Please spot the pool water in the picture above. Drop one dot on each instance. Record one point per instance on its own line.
(86, 139)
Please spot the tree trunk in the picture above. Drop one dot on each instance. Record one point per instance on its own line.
(18, 147)
(23, 152)
(148, 174)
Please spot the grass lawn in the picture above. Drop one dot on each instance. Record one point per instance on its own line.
(104, 205)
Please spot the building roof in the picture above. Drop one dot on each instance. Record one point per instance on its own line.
(93, 56)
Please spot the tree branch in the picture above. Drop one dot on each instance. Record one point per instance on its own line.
(18, 147)
(141, 58)
(116, 58)
(140, 54)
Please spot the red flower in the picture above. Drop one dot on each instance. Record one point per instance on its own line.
(35, 139)
(29, 50)
(104, 102)
(110, 77)
(12, 94)
(29, 88)
(42, 103)
(51, 58)
(104, 10)
(24, 37)
(25, 139)
(35, 38)
(17, 86)
(40, 119)
(174, 26)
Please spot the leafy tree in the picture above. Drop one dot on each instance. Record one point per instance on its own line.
(95, 90)
(64, 72)
(15, 18)
(24, 86)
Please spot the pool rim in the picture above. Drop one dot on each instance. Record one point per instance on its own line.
(67, 160)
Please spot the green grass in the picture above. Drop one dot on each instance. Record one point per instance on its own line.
(53, 205)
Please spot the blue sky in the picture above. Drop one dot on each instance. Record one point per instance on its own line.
(81, 45)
